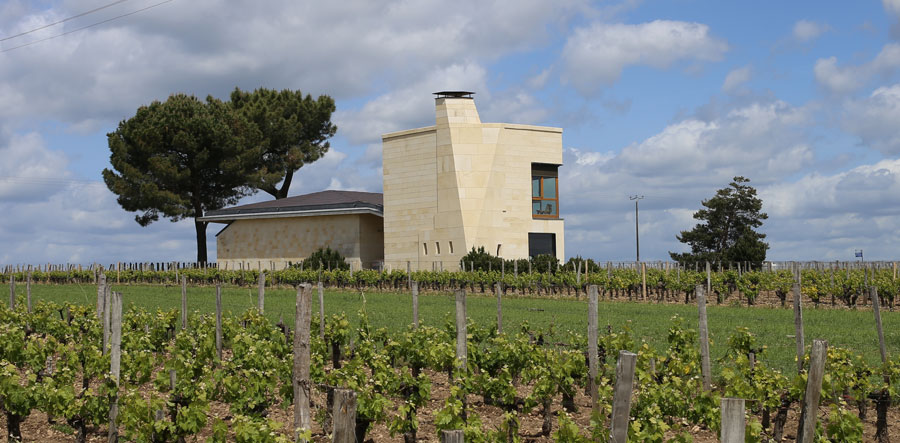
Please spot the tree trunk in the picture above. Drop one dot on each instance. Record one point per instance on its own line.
(200, 227)
(547, 425)
(882, 403)
(285, 185)
(13, 421)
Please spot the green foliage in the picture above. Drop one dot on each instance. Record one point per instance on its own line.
(481, 260)
(295, 129)
(545, 263)
(181, 158)
(726, 232)
(326, 258)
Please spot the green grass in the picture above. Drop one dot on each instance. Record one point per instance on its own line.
(774, 327)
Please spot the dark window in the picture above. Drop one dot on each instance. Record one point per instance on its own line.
(541, 243)
(544, 190)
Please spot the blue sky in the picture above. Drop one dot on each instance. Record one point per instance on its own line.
(668, 99)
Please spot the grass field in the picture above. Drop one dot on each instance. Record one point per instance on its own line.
(774, 327)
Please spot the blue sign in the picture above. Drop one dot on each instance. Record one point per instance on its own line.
(859, 254)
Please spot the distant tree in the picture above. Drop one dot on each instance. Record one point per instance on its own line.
(727, 229)
(295, 130)
(181, 158)
(326, 258)
(481, 260)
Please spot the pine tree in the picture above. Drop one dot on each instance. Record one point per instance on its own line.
(726, 232)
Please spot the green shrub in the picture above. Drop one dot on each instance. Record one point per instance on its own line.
(326, 258)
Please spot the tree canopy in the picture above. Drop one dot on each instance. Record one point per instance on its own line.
(295, 130)
(726, 232)
(181, 158)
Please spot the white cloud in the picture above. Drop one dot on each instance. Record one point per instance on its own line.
(892, 6)
(875, 119)
(736, 78)
(29, 171)
(805, 30)
(595, 55)
(846, 79)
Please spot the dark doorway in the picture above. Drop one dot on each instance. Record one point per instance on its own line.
(541, 243)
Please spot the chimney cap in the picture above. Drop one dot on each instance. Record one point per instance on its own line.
(453, 94)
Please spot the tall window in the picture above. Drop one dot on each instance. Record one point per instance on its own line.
(544, 191)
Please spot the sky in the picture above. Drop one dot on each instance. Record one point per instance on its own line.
(664, 99)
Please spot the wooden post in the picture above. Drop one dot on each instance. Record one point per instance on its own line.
(499, 292)
(461, 355)
(621, 409)
(516, 268)
(12, 291)
(409, 274)
(798, 326)
(184, 314)
(806, 432)
(708, 279)
(101, 298)
(704, 338)
(118, 273)
(732, 420)
(219, 320)
(107, 300)
(415, 303)
(873, 293)
(321, 290)
(578, 278)
(115, 361)
(261, 293)
(28, 289)
(643, 281)
(592, 348)
(344, 414)
(301, 380)
(455, 436)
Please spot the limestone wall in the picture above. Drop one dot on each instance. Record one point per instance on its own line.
(273, 242)
(463, 184)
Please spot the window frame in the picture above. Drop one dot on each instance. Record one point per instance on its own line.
(535, 175)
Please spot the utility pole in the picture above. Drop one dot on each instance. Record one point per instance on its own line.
(637, 236)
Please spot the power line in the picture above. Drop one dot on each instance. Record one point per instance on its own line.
(86, 27)
(63, 20)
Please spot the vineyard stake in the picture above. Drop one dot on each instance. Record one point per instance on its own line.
(873, 293)
(302, 317)
(107, 299)
(455, 436)
(592, 348)
(344, 414)
(704, 338)
(461, 355)
(415, 303)
(643, 281)
(28, 289)
(409, 273)
(621, 409)
(321, 290)
(219, 320)
(499, 291)
(101, 298)
(261, 294)
(115, 361)
(732, 420)
(708, 279)
(798, 326)
(806, 432)
(183, 302)
(12, 291)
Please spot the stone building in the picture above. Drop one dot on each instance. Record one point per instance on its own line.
(447, 188)
(462, 183)
(273, 233)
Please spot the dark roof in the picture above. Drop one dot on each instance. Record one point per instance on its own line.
(317, 201)
(454, 94)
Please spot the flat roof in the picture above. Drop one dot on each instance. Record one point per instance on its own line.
(318, 203)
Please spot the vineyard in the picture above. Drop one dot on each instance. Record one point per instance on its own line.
(820, 284)
(192, 375)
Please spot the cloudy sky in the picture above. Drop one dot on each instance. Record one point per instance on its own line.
(665, 99)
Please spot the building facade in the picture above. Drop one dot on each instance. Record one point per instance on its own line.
(462, 183)
(271, 234)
